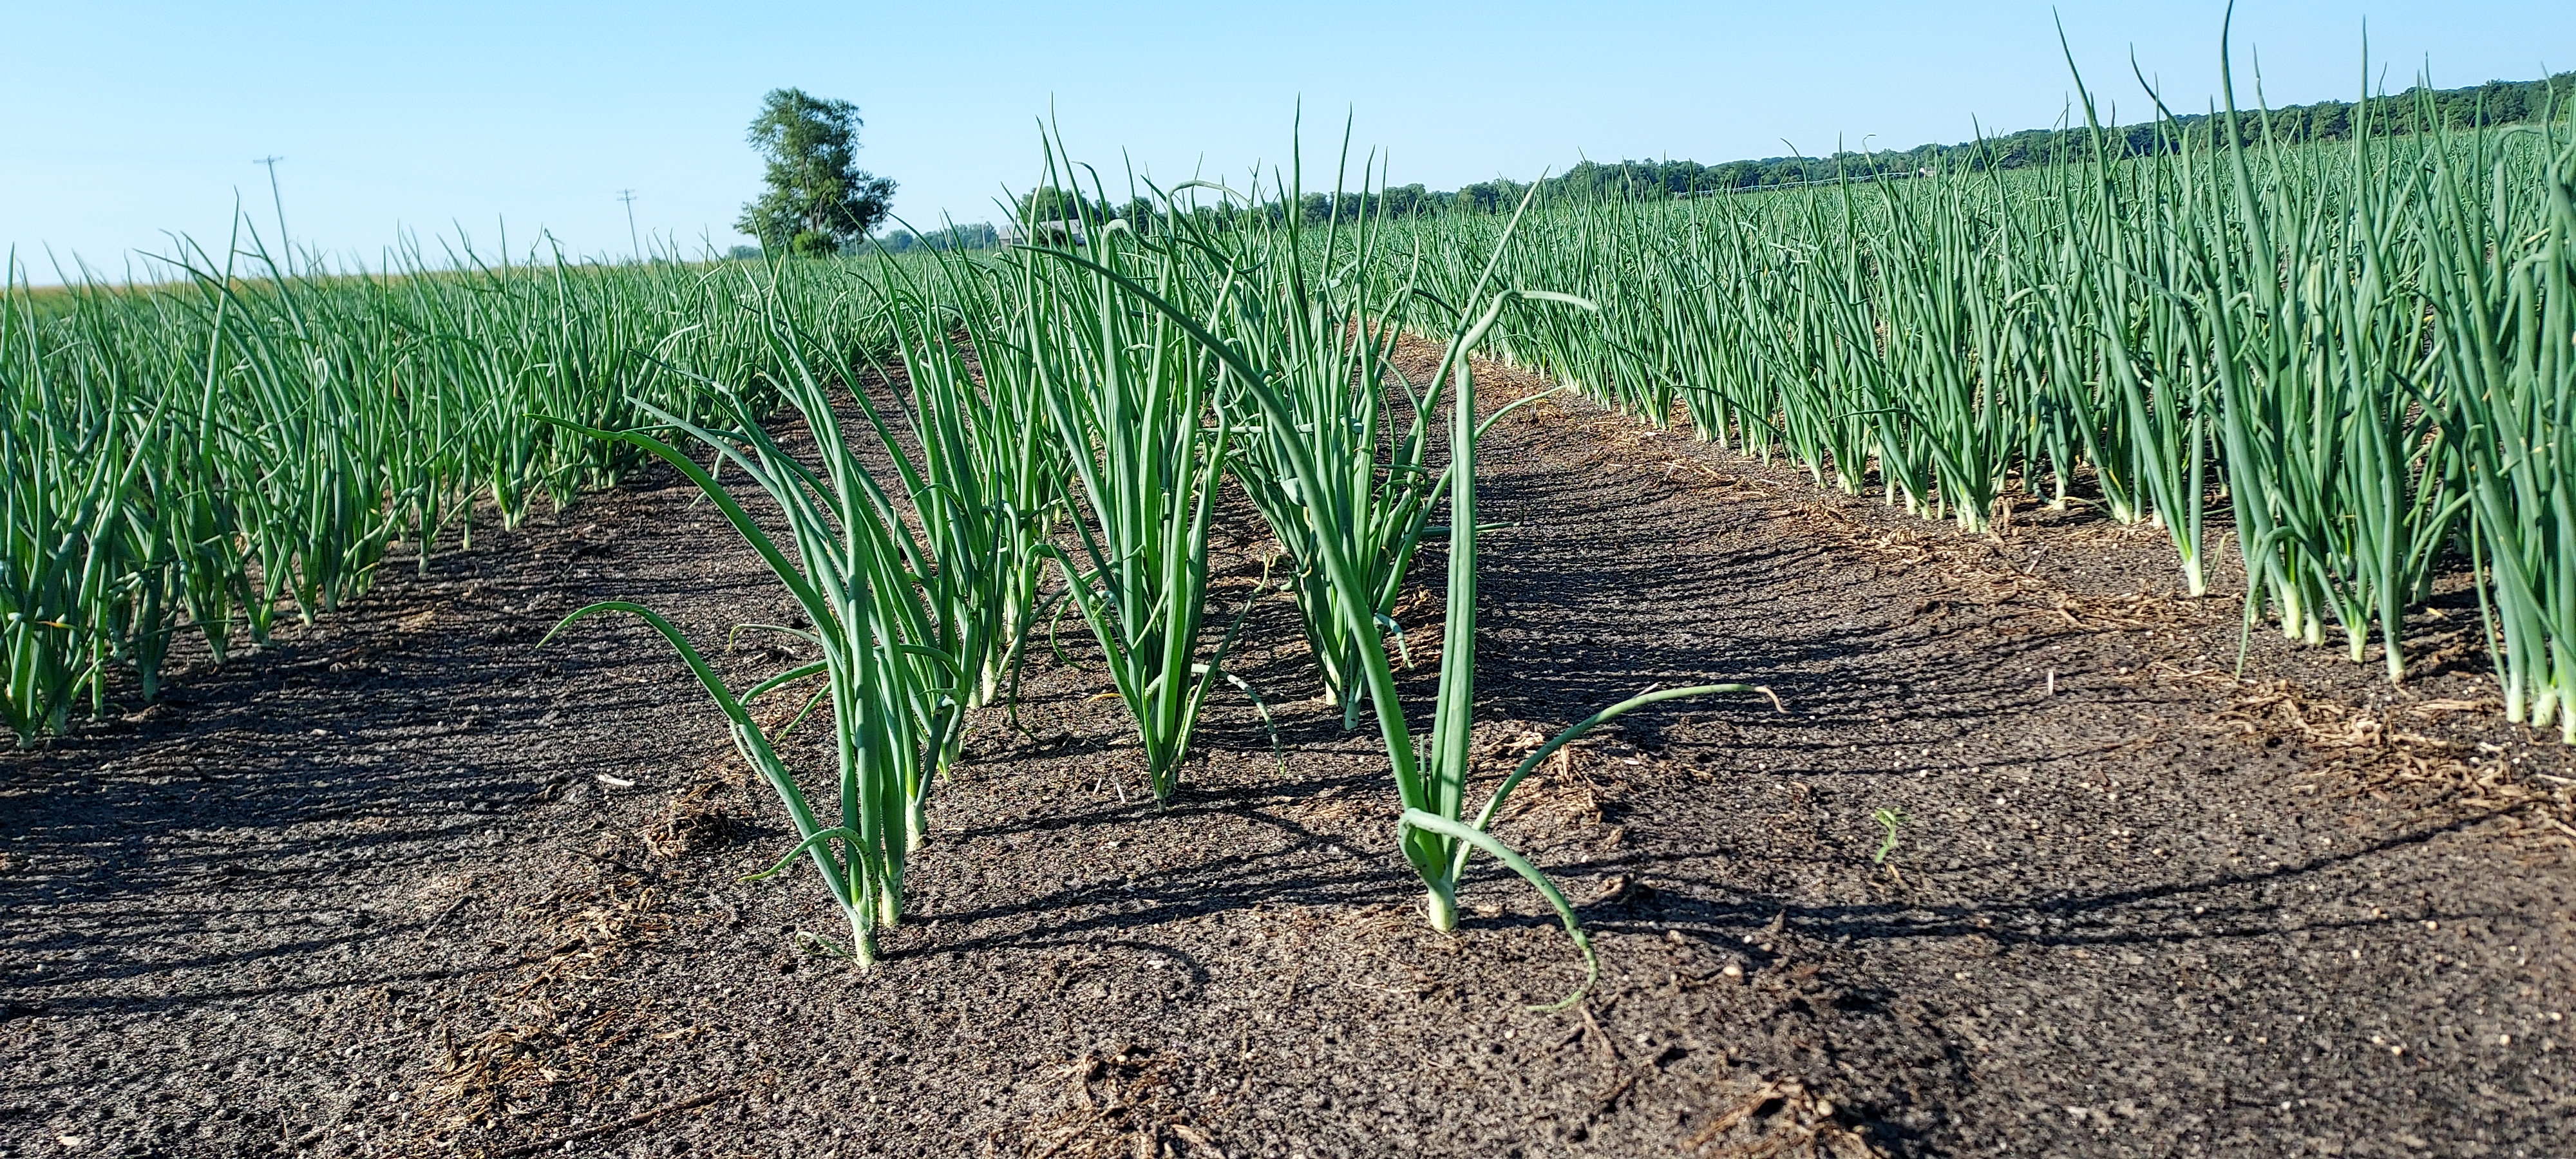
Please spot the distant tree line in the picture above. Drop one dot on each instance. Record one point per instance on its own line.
(979, 236)
(2491, 104)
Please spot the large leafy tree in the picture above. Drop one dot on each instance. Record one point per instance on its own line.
(818, 198)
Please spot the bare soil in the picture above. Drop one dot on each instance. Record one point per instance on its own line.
(408, 883)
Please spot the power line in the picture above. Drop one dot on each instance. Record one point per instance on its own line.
(628, 196)
(274, 197)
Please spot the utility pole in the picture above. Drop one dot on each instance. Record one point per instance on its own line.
(628, 196)
(274, 197)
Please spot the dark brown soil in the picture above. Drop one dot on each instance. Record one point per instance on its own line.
(386, 888)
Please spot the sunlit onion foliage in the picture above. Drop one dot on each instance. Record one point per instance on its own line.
(1251, 300)
(250, 438)
(2349, 349)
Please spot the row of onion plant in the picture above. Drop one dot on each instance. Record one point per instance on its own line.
(252, 435)
(2500, 277)
(2293, 334)
(1302, 351)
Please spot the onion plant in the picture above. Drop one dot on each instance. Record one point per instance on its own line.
(1126, 392)
(891, 662)
(988, 479)
(2339, 477)
(64, 487)
(2130, 317)
(2501, 280)
(1360, 424)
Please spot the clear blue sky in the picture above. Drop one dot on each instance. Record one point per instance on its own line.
(122, 122)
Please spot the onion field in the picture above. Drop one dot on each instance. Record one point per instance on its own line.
(2337, 381)
(2355, 357)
